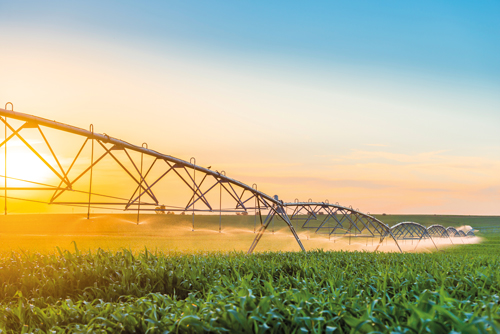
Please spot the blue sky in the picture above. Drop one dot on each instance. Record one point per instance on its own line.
(443, 37)
(389, 94)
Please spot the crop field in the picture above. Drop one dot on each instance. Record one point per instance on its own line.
(42, 233)
(64, 287)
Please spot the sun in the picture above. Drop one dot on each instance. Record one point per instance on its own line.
(23, 164)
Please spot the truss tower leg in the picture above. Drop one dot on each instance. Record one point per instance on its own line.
(280, 211)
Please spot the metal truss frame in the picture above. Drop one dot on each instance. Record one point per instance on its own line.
(411, 231)
(197, 179)
(470, 233)
(337, 220)
(438, 231)
(442, 232)
(346, 220)
(452, 232)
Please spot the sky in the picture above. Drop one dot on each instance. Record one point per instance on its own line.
(387, 106)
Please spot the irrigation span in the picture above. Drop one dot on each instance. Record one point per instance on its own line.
(147, 170)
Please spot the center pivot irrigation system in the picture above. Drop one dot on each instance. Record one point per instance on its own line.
(148, 171)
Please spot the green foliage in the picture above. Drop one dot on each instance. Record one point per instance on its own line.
(456, 290)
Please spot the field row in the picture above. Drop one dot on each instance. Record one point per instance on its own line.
(454, 290)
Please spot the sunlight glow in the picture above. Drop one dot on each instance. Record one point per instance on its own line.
(24, 165)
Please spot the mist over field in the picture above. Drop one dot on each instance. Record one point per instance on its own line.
(174, 233)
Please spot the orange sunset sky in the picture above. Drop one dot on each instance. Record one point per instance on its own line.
(390, 109)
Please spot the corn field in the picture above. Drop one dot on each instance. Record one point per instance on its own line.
(311, 292)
